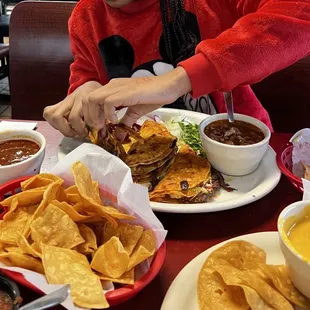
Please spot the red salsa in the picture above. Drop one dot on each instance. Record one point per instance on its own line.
(236, 133)
(15, 151)
(6, 303)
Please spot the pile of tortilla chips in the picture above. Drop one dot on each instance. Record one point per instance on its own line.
(236, 276)
(71, 237)
(148, 152)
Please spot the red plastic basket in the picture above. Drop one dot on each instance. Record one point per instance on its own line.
(115, 297)
(284, 161)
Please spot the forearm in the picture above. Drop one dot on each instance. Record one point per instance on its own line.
(260, 43)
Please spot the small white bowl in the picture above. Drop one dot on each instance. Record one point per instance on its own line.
(29, 166)
(234, 160)
(299, 269)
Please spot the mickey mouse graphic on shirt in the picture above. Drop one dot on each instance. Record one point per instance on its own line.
(118, 57)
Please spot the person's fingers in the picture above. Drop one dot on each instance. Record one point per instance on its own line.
(118, 100)
(76, 118)
(91, 114)
(98, 95)
(96, 102)
(86, 106)
(48, 113)
(131, 116)
(135, 112)
(59, 118)
(85, 110)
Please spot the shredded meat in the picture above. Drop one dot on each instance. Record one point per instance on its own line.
(217, 177)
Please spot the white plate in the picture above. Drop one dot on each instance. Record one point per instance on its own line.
(249, 188)
(181, 294)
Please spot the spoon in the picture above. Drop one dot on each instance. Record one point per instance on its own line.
(48, 301)
(229, 106)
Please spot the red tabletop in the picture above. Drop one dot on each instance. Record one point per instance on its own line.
(191, 234)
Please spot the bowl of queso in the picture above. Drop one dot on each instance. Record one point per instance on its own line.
(234, 148)
(21, 153)
(294, 232)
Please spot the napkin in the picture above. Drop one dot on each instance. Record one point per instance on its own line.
(117, 188)
(306, 185)
(4, 125)
(301, 151)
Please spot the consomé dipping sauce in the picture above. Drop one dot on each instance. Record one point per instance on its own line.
(236, 133)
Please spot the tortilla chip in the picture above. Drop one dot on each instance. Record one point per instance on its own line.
(26, 248)
(278, 275)
(252, 279)
(55, 227)
(22, 261)
(126, 278)
(93, 136)
(14, 249)
(25, 199)
(254, 300)
(111, 259)
(50, 193)
(39, 180)
(240, 254)
(85, 186)
(117, 214)
(128, 234)
(35, 182)
(15, 221)
(144, 249)
(90, 244)
(72, 190)
(65, 266)
(71, 210)
(214, 294)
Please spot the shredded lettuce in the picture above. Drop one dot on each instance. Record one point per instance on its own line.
(190, 135)
(186, 132)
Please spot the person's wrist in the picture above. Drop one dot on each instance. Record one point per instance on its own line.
(91, 86)
(87, 87)
(180, 81)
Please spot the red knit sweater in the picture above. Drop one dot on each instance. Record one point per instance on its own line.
(242, 42)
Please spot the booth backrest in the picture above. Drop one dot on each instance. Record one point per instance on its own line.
(40, 56)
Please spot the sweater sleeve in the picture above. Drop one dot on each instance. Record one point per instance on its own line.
(269, 36)
(82, 69)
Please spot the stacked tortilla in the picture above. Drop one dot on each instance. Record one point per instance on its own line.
(190, 179)
(149, 152)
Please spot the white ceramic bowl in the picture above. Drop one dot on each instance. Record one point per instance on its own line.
(29, 166)
(299, 269)
(235, 160)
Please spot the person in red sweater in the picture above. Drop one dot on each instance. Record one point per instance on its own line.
(144, 54)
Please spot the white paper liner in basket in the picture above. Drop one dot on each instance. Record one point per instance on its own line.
(117, 189)
(301, 151)
(306, 186)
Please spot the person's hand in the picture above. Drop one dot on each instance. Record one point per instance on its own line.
(67, 115)
(140, 95)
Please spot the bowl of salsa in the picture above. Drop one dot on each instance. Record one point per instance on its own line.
(236, 148)
(21, 153)
(9, 294)
(294, 232)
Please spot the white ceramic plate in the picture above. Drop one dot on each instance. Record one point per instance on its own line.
(249, 188)
(182, 292)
